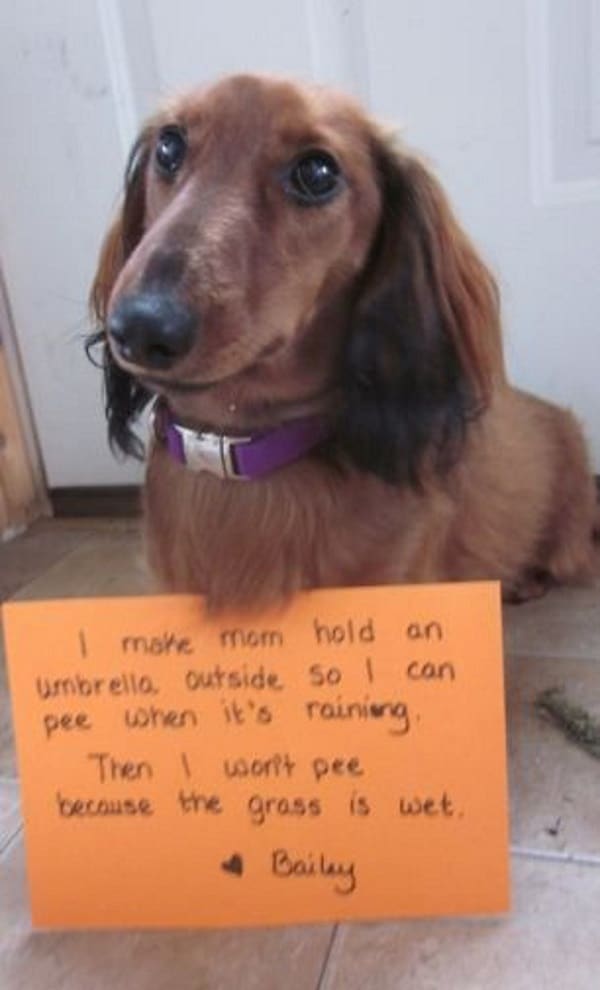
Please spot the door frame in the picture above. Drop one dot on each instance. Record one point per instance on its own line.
(23, 493)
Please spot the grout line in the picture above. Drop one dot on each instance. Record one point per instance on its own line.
(326, 960)
(10, 841)
(582, 859)
(521, 657)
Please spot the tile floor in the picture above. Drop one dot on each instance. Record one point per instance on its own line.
(550, 940)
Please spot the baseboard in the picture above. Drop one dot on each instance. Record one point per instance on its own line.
(110, 500)
(100, 501)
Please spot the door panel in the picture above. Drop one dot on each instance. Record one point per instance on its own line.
(476, 86)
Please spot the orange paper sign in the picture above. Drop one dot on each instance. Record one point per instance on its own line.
(342, 759)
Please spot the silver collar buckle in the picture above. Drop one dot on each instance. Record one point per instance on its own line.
(211, 452)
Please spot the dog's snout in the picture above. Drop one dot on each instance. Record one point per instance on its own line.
(152, 329)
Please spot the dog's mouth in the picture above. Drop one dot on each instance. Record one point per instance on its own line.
(182, 386)
(168, 385)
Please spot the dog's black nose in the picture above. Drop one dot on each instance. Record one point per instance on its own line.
(152, 329)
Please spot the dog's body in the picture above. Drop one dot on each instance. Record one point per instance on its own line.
(309, 526)
(336, 282)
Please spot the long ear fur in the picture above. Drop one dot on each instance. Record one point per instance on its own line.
(124, 397)
(424, 348)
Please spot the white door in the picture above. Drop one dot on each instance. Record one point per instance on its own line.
(502, 95)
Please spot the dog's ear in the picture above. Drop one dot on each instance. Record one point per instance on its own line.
(124, 397)
(424, 347)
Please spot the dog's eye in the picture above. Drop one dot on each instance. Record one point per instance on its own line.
(314, 178)
(170, 150)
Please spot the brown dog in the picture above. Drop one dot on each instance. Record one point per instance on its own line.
(299, 290)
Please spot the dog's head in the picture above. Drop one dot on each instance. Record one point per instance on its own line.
(273, 253)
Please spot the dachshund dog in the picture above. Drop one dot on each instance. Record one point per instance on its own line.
(323, 346)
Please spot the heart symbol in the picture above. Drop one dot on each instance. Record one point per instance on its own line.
(234, 864)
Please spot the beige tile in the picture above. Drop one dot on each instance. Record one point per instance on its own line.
(10, 812)
(263, 959)
(554, 784)
(40, 547)
(565, 622)
(109, 563)
(7, 753)
(549, 941)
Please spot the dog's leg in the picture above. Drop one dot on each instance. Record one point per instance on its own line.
(533, 584)
(571, 550)
(567, 551)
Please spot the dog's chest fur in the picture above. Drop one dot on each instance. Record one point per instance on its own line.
(252, 543)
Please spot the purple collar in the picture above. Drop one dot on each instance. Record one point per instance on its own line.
(238, 458)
